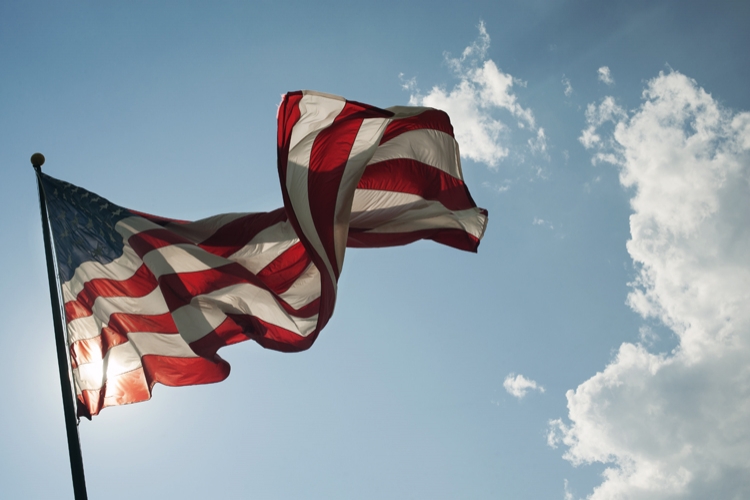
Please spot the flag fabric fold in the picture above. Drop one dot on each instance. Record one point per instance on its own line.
(148, 299)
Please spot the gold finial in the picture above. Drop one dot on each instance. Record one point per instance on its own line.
(37, 159)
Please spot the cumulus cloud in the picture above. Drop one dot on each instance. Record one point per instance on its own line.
(518, 385)
(473, 104)
(605, 75)
(675, 425)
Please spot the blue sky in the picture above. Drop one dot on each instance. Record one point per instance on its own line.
(610, 143)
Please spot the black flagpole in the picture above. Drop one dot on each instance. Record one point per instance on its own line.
(71, 422)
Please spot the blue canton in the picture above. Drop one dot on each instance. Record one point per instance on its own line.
(83, 226)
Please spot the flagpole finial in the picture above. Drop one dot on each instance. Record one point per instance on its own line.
(37, 159)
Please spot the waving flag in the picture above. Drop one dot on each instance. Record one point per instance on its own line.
(148, 299)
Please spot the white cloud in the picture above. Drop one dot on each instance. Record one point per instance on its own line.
(539, 173)
(587, 186)
(605, 75)
(568, 91)
(567, 494)
(409, 84)
(518, 385)
(676, 425)
(538, 144)
(541, 222)
(647, 336)
(498, 188)
(607, 111)
(473, 104)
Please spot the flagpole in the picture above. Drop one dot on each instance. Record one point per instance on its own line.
(71, 422)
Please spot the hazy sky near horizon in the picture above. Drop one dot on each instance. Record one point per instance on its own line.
(598, 344)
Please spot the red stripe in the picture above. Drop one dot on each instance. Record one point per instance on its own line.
(152, 239)
(140, 284)
(88, 404)
(285, 269)
(328, 158)
(280, 339)
(179, 289)
(224, 242)
(94, 349)
(272, 336)
(240, 327)
(177, 372)
(162, 221)
(75, 310)
(370, 111)
(227, 239)
(227, 333)
(433, 119)
(126, 323)
(409, 176)
(236, 234)
(288, 116)
(115, 333)
(130, 387)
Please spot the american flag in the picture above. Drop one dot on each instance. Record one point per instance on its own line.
(148, 299)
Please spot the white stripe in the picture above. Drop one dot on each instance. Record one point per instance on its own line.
(245, 298)
(373, 207)
(161, 344)
(196, 320)
(431, 147)
(305, 289)
(150, 343)
(317, 113)
(407, 111)
(364, 146)
(200, 230)
(206, 312)
(181, 258)
(393, 212)
(105, 307)
(470, 221)
(131, 226)
(265, 247)
(122, 268)
(85, 328)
